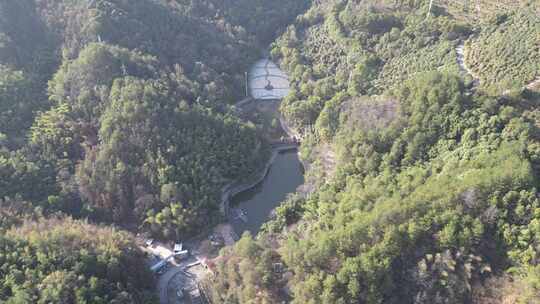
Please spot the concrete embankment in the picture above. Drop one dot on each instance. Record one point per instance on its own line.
(266, 83)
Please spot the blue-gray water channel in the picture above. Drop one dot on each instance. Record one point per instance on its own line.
(284, 177)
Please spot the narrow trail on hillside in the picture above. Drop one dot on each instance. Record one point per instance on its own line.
(463, 67)
(466, 70)
(534, 84)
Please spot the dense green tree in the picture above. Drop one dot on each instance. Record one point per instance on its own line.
(423, 186)
(138, 101)
(505, 55)
(16, 106)
(66, 261)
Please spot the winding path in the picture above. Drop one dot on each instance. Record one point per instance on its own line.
(535, 84)
(163, 283)
(463, 67)
(466, 70)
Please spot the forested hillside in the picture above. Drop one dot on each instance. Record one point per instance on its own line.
(482, 10)
(66, 261)
(263, 19)
(433, 197)
(505, 54)
(422, 160)
(119, 111)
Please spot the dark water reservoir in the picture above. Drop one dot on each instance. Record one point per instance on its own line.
(285, 175)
